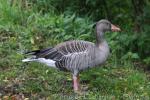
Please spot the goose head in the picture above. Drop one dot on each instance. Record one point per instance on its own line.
(103, 26)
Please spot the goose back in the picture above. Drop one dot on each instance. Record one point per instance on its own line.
(73, 46)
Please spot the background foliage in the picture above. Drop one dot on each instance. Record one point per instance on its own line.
(35, 24)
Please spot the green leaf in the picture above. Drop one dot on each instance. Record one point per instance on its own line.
(135, 56)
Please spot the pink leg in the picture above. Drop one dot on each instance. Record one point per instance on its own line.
(76, 82)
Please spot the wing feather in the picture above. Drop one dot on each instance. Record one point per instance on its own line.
(73, 46)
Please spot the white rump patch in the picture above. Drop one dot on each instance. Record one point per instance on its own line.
(48, 62)
(28, 59)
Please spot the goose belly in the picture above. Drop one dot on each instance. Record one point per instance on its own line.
(74, 62)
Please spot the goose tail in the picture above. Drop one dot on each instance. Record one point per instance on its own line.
(35, 57)
(28, 59)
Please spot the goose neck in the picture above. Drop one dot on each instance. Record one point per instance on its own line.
(99, 37)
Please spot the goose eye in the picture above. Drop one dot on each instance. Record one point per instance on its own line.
(107, 24)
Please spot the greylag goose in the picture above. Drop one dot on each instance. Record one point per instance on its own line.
(76, 55)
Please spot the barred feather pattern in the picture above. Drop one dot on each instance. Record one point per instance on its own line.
(80, 55)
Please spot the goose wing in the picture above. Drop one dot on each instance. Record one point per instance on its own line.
(75, 46)
(48, 53)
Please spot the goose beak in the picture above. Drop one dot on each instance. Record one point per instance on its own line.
(115, 28)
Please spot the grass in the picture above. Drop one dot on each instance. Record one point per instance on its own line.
(38, 81)
(29, 29)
